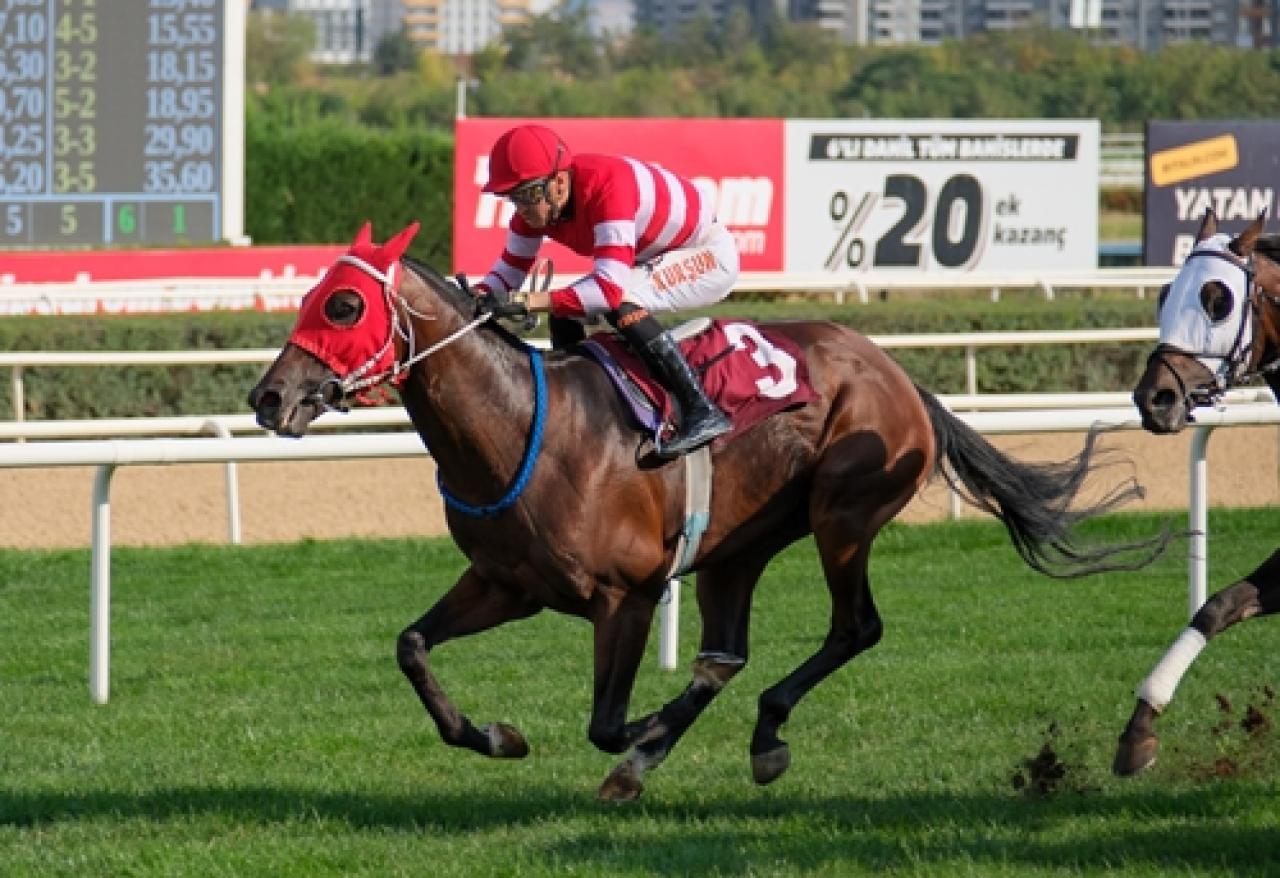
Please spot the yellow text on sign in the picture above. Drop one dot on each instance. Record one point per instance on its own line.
(1194, 160)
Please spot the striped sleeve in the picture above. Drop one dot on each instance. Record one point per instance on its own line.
(611, 213)
(512, 267)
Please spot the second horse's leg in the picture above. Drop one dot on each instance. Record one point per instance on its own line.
(472, 605)
(1256, 595)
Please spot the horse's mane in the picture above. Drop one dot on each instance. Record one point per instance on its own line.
(448, 289)
(458, 298)
(1269, 246)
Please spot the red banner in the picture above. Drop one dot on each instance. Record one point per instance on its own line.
(738, 162)
(54, 266)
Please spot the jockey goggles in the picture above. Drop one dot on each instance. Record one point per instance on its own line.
(530, 193)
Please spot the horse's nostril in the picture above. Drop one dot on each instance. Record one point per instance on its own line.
(267, 402)
(1163, 399)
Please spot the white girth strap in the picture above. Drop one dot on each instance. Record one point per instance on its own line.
(697, 509)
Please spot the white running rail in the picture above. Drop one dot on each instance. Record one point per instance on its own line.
(19, 361)
(110, 454)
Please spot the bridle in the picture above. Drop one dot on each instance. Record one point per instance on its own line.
(1233, 365)
(359, 380)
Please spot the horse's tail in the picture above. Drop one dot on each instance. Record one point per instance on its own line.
(1034, 500)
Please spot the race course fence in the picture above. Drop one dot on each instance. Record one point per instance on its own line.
(108, 455)
(19, 362)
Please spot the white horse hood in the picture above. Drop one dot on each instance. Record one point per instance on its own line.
(1184, 323)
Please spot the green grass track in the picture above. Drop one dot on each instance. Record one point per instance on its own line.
(259, 724)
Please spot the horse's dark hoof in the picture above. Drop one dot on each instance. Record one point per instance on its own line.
(768, 767)
(1132, 758)
(622, 785)
(505, 742)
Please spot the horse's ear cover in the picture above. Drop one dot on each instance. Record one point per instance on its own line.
(366, 344)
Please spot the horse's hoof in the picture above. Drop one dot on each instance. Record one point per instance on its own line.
(768, 767)
(1132, 758)
(505, 742)
(622, 785)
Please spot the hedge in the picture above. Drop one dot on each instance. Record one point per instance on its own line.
(318, 184)
(95, 392)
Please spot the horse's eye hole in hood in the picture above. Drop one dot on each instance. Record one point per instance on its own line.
(1218, 300)
(344, 307)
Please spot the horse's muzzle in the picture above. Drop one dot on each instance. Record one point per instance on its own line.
(1162, 409)
(267, 405)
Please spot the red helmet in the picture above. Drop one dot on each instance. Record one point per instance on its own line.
(526, 152)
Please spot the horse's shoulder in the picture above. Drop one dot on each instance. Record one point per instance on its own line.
(575, 367)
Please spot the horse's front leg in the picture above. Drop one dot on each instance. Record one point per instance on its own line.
(1256, 595)
(621, 620)
(472, 605)
(724, 603)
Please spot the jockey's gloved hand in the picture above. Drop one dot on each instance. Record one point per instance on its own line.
(512, 306)
(508, 306)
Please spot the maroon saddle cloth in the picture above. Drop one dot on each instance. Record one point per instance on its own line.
(750, 372)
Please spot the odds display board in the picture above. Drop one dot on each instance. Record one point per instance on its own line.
(941, 195)
(840, 196)
(1230, 167)
(121, 122)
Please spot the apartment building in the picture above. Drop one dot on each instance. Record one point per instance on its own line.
(347, 31)
(1145, 24)
(461, 27)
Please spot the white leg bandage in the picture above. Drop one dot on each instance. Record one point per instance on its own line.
(1157, 689)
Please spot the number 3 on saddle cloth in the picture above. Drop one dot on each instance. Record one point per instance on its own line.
(747, 371)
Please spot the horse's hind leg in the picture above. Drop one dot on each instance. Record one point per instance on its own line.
(724, 603)
(855, 626)
(1258, 594)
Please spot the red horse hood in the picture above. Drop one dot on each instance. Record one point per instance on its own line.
(364, 347)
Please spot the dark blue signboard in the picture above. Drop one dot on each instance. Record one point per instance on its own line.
(1230, 167)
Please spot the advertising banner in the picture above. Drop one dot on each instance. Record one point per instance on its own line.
(1230, 167)
(941, 195)
(738, 162)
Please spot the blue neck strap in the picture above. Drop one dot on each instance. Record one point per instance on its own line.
(530, 452)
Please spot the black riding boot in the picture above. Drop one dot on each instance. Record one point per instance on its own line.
(700, 419)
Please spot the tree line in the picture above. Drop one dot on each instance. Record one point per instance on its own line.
(553, 66)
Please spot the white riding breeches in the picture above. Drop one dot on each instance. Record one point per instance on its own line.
(695, 276)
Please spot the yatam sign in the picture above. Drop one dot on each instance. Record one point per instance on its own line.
(1229, 167)
(737, 162)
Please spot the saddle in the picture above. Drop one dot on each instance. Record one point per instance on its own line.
(746, 370)
(750, 372)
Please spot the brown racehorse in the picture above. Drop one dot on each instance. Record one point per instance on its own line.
(1219, 324)
(588, 527)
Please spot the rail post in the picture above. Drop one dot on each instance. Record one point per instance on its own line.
(100, 587)
(220, 430)
(1198, 513)
(19, 395)
(669, 627)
